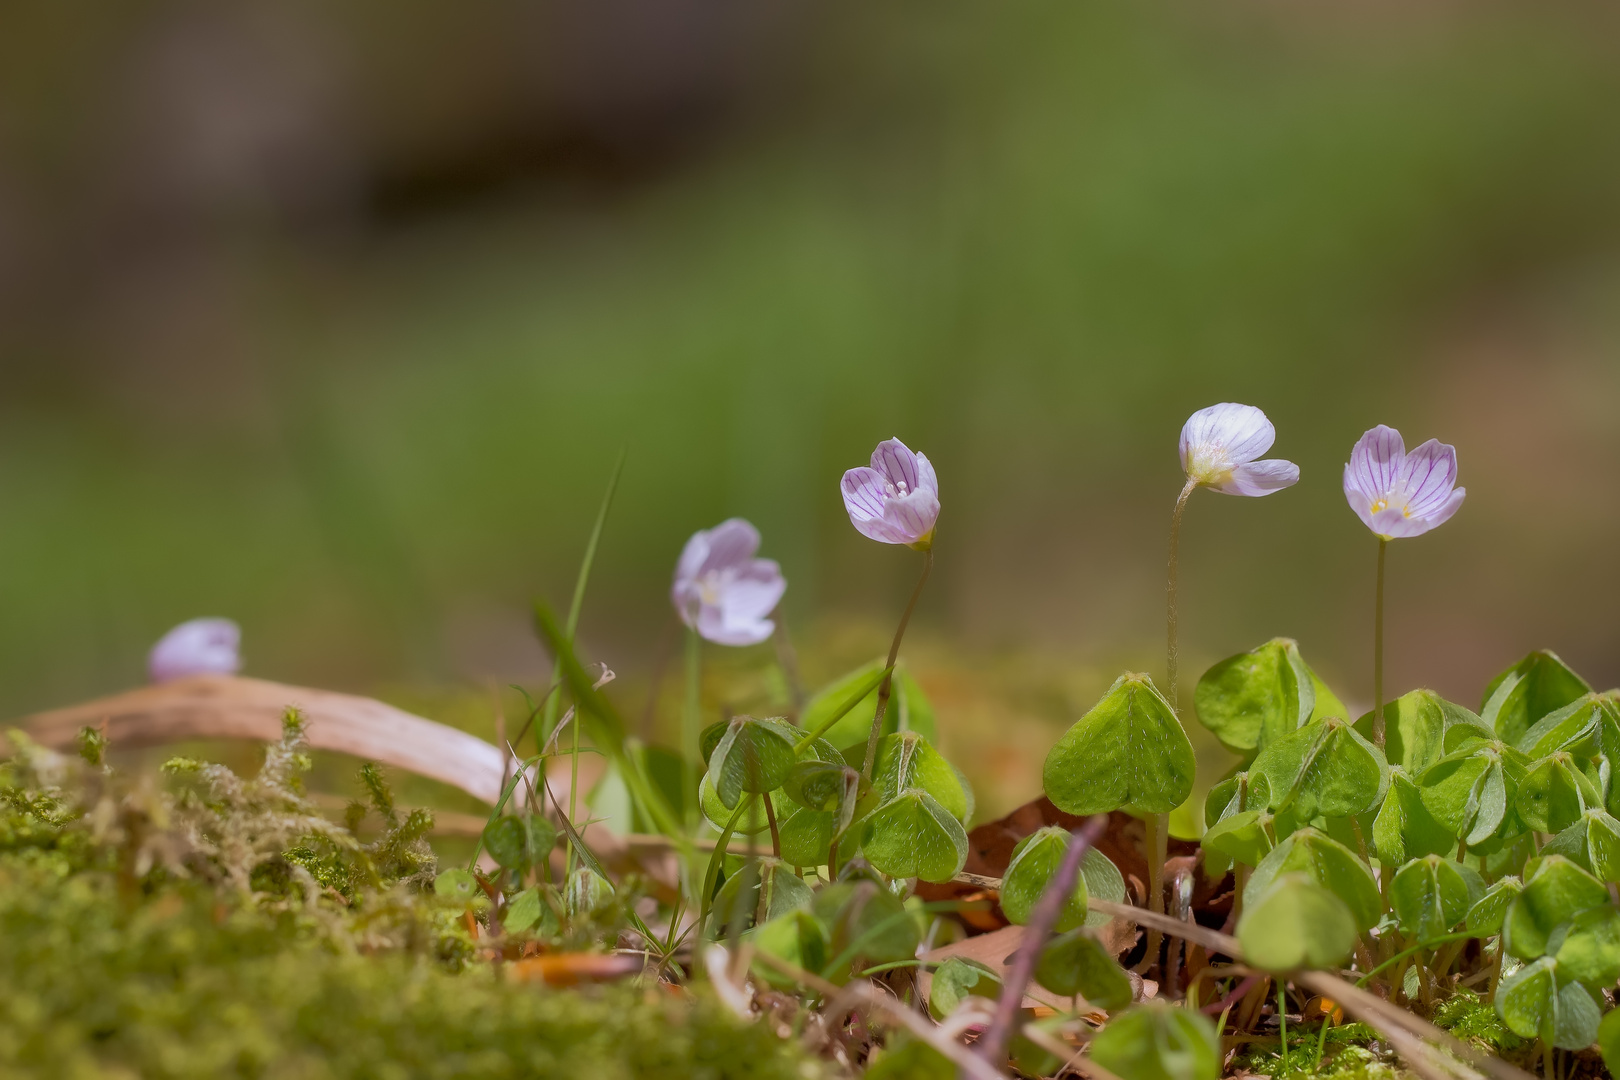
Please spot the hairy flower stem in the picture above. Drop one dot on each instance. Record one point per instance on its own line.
(1378, 650)
(1156, 846)
(888, 681)
(690, 726)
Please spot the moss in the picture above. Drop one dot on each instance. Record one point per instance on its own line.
(1473, 1019)
(1348, 1054)
(217, 928)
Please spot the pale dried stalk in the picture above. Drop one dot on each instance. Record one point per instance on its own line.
(234, 707)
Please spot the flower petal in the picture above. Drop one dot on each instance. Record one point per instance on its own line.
(1260, 478)
(1426, 478)
(913, 515)
(1358, 500)
(197, 647)
(1239, 433)
(715, 627)
(731, 543)
(897, 463)
(926, 480)
(1443, 515)
(865, 492)
(754, 592)
(1374, 462)
(687, 567)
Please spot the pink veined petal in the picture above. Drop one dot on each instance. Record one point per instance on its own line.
(1357, 499)
(865, 492)
(913, 515)
(714, 626)
(1260, 478)
(1427, 476)
(731, 542)
(896, 462)
(1240, 432)
(1443, 515)
(1375, 461)
(754, 592)
(926, 480)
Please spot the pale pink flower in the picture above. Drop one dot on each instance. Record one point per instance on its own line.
(1398, 494)
(1219, 446)
(896, 499)
(721, 590)
(198, 647)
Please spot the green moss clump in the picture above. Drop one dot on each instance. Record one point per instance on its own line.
(1473, 1019)
(219, 928)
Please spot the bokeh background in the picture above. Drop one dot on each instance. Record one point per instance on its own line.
(333, 317)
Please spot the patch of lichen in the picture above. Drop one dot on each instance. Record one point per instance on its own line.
(213, 926)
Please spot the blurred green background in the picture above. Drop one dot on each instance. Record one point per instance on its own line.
(332, 318)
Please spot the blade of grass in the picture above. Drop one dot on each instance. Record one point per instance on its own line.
(554, 703)
(855, 699)
(717, 859)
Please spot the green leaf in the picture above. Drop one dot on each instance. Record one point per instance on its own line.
(905, 760)
(751, 756)
(864, 920)
(1239, 792)
(1404, 829)
(1129, 750)
(795, 936)
(1432, 894)
(1468, 792)
(820, 785)
(806, 835)
(456, 884)
(1076, 963)
(1603, 845)
(913, 836)
(1527, 691)
(522, 911)
(1295, 923)
(1419, 725)
(1255, 697)
(909, 1058)
(774, 891)
(1325, 769)
(1578, 1018)
(1157, 1041)
(1608, 1040)
(956, 979)
(519, 842)
(908, 709)
(1590, 947)
(1241, 837)
(1554, 793)
(1328, 863)
(1527, 1000)
(1555, 891)
(1575, 728)
(753, 821)
(1034, 863)
(1485, 917)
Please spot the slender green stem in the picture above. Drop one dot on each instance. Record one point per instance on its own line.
(555, 702)
(1398, 957)
(888, 680)
(690, 727)
(1282, 1021)
(1157, 839)
(573, 786)
(1378, 649)
(1172, 658)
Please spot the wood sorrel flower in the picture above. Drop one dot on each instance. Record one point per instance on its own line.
(198, 647)
(1398, 494)
(896, 499)
(721, 590)
(1219, 446)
